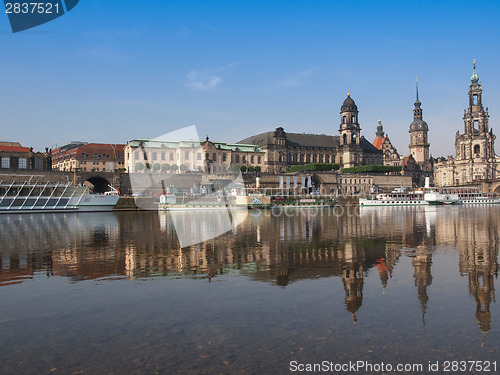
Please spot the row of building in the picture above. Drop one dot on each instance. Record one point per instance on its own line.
(276, 151)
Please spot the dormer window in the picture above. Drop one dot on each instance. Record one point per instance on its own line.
(83, 155)
(96, 155)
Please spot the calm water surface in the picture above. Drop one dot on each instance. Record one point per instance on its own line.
(113, 293)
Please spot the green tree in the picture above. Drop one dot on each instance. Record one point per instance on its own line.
(243, 169)
(165, 167)
(174, 167)
(156, 167)
(258, 168)
(139, 166)
(251, 168)
(184, 167)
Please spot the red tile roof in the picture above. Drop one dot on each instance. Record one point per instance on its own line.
(378, 142)
(14, 149)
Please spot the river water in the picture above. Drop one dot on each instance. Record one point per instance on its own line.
(112, 293)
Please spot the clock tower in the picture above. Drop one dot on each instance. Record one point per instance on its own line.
(419, 142)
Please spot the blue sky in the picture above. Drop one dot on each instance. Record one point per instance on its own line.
(112, 71)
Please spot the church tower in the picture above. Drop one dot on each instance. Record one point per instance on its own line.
(419, 142)
(350, 146)
(477, 142)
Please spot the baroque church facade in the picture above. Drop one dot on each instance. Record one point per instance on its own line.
(475, 158)
(349, 148)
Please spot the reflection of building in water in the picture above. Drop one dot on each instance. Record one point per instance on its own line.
(352, 276)
(422, 262)
(479, 261)
(78, 246)
(475, 233)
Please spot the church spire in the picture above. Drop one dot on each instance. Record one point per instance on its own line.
(474, 78)
(416, 83)
(417, 112)
(380, 129)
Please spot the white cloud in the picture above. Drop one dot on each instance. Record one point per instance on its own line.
(297, 79)
(202, 81)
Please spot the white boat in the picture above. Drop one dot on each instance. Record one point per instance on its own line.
(440, 197)
(475, 196)
(35, 197)
(394, 199)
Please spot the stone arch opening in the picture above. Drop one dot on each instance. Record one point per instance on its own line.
(497, 189)
(97, 184)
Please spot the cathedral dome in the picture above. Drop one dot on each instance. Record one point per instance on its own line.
(348, 104)
(418, 124)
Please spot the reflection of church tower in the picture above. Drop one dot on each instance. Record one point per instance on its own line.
(481, 265)
(350, 146)
(423, 277)
(352, 276)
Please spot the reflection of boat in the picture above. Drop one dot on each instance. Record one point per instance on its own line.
(33, 197)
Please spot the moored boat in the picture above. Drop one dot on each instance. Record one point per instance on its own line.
(394, 199)
(36, 197)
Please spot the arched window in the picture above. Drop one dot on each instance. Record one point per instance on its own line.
(83, 155)
(477, 149)
(345, 139)
(96, 155)
(353, 119)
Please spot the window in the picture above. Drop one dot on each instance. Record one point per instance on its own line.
(207, 155)
(5, 162)
(237, 158)
(258, 159)
(22, 163)
(353, 119)
(162, 156)
(224, 156)
(104, 155)
(214, 156)
(38, 163)
(171, 157)
(96, 155)
(198, 156)
(474, 100)
(83, 155)
(154, 155)
(344, 120)
(477, 149)
(252, 159)
(243, 159)
(186, 155)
